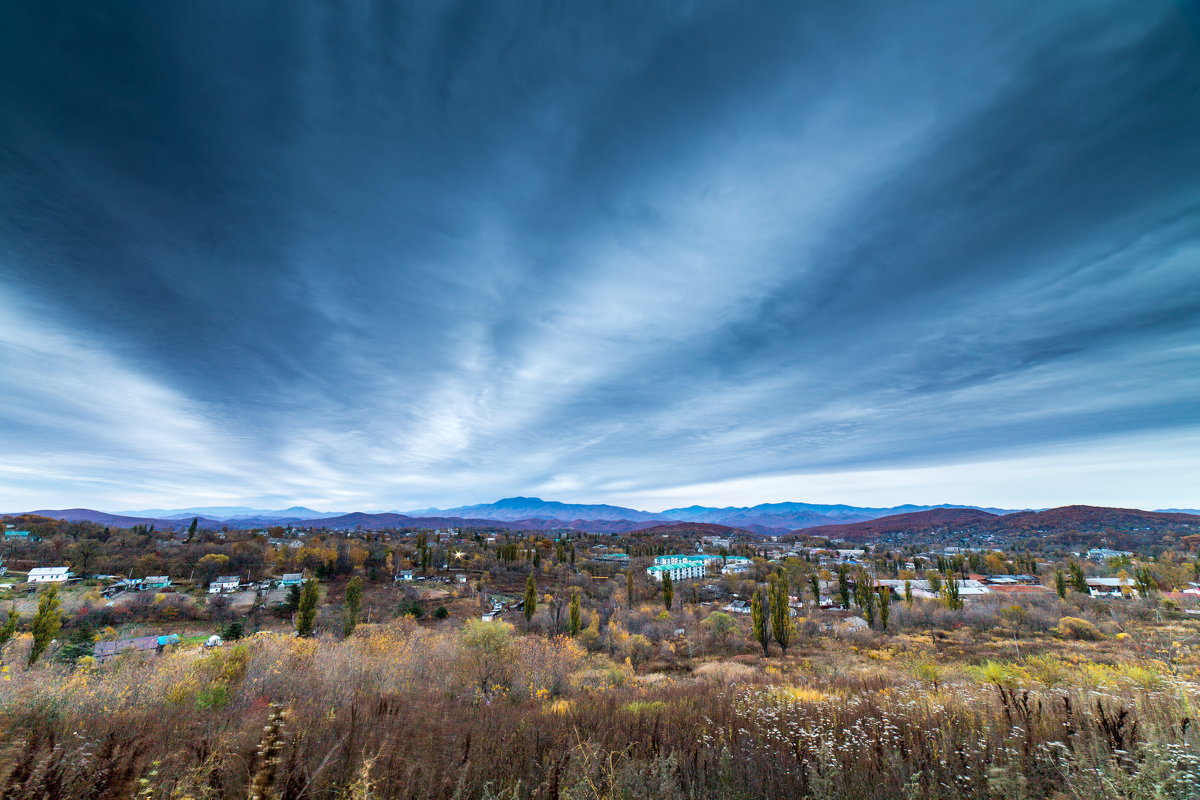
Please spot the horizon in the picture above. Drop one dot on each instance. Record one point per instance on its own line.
(634, 255)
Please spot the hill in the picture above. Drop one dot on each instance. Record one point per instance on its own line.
(945, 521)
(693, 529)
(117, 520)
(1067, 526)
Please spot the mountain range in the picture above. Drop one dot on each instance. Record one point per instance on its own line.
(853, 523)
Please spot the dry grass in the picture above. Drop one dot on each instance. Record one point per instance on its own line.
(401, 711)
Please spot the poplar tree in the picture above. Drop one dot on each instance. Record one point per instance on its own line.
(758, 620)
(1060, 584)
(668, 587)
(781, 618)
(46, 623)
(814, 583)
(844, 586)
(574, 615)
(530, 604)
(885, 606)
(354, 593)
(1078, 579)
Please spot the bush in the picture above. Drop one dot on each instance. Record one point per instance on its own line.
(1076, 628)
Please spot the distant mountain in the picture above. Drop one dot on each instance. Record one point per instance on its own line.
(763, 518)
(515, 508)
(394, 520)
(118, 520)
(231, 513)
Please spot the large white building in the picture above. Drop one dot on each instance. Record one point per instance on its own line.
(49, 575)
(678, 572)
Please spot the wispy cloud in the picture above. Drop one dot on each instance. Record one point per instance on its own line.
(404, 254)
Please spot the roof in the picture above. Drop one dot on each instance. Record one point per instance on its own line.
(157, 579)
(292, 576)
(1110, 581)
(228, 579)
(48, 571)
(1022, 588)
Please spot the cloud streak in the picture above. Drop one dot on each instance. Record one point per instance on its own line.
(413, 254)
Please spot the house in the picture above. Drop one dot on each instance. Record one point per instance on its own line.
(1009, 580)
(404, 575)
(290, 543)
(156, 582)
(735, 565)
(1111, 587)
(49, 575)
(225, 583)
(678, 572)
(290, 579)
(738, 607)
(1104, 554)
(103, 650)
(123, 585)
(22, 535)
(460, 577)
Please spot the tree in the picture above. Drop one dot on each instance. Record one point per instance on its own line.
(668, 589)
(908, 595)
(758, 620)
(629, 588)
(487, 653)
(233, 631)
(354, 593)
(46, 622)
(292, 601)
(441, 612)
(814, 584)
(1060, 584)
(1145, 584)
(306, 610)
(1078, 580)
(210, 566)
(80, 643)
(191, 530)
(720, 627)
(950, 594)
(575, 615)
(844, 586)
(781, 616)
(83, 553)
(885, 606)
(530, 605)
(9, 628)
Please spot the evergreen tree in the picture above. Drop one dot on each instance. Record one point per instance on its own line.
(1078, 580)
(885, 606)
(575, 615)
(908, 595)
(292, 601)
(844, 586)
(306, 609)
(80, 643)
(46, 622)
(1060, 584)
(668, 587)
(191, 531)
(758, 620)
(441, 612)
(530, 604)
(233, 631)
(354, 593)
(814, 584)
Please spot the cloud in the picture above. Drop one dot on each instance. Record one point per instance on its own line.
(401, 255)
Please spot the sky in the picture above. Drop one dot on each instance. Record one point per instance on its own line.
(378, 255)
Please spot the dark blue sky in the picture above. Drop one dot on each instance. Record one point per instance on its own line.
(392, 255)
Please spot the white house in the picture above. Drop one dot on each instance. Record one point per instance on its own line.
(225, 583)
(156, 581)
(1111, 587)
(49, 575)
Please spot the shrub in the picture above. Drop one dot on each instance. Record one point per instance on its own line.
(1076, 628)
